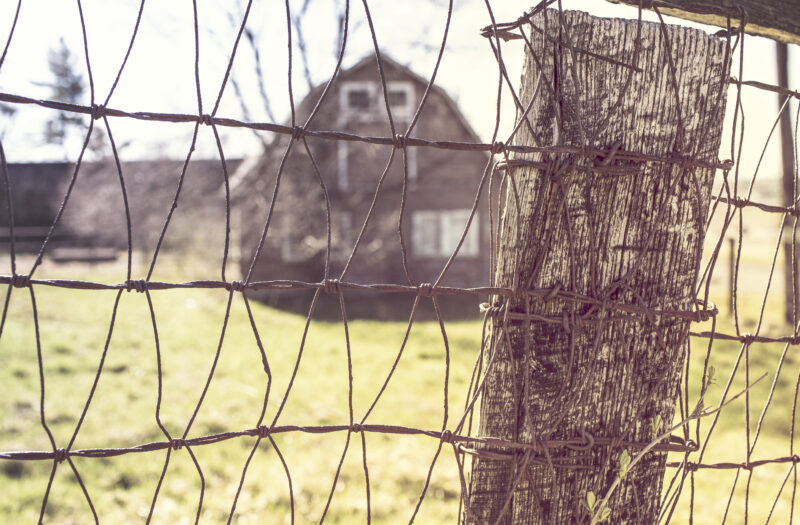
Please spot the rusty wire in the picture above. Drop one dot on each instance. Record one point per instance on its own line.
(589, 161)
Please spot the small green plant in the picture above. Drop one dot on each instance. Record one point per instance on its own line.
(656, 423)
(590, 502)
(623, 464)
(710, 380)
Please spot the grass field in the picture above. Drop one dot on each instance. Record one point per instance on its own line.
(73, 328)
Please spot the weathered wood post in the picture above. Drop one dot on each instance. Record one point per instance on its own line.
(601, 238)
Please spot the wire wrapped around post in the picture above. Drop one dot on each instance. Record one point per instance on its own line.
(618, 228)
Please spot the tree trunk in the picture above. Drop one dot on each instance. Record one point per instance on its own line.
(603, 230)
(775, 19)
(792, 299)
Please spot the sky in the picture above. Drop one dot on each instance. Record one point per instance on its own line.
(159, 75)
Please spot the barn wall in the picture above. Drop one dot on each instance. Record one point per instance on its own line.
(446, 180)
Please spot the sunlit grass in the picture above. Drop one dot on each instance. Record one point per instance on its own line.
(73, 327)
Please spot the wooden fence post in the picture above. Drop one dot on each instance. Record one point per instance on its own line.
(601, 238)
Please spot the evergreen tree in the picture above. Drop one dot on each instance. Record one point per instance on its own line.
(67, 85)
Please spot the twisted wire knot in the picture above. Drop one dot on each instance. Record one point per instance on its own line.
(98, 111)
(498, 148)
(567, 321)
(692, 467)
(747, 339)
(738, 202)
(263, 431)
(140, 285)
(59, 455)
(356, 427)
(207, 119)
(607, 304)
(795, 459)
(492, 311)
(177, 444)
(298, 132)
(587, 444)
(609, 157)
(726, 33)
(20, 281)
(794, 340)
(399, 141)
(425, 289)
(537, 445)
(331, 286)
(447, 436)
(703, 315)
(648, 316)
(553, 292)
(236, 286)
(743, 17)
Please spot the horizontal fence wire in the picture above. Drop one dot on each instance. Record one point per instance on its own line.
(562, 162)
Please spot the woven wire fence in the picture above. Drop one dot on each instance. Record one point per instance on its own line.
(692, 482)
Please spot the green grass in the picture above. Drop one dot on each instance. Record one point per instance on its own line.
(73, 329)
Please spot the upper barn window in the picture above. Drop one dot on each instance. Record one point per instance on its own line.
(401, 99)
(357, 99)
(364, 100)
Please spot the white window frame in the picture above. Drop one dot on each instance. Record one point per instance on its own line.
(342, 151)
(407, 111)
(446, 227)
(290, 251)
(348, 113)
(412, 165)
(452, 227)
(425, 233)
(342, 235)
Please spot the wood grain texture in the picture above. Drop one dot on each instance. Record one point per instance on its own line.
(634, 238)
(776, 19)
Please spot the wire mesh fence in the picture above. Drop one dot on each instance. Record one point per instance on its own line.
(238, 424)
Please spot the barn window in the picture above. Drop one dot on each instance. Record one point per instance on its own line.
(364, 100)
(401, 99)
(357, 98)
(436, 233)
(397, 98)
(291, 238)
(342, 237)
(425, 233)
